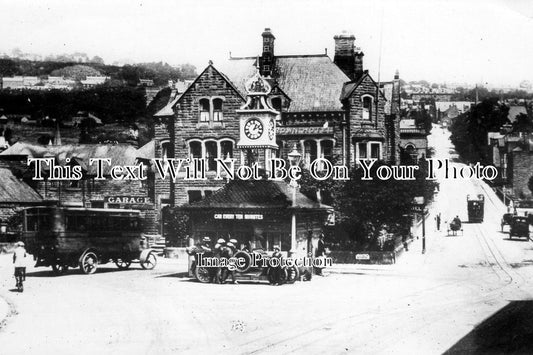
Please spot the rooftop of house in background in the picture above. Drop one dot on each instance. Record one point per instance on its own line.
(13, 190)
(120, 154)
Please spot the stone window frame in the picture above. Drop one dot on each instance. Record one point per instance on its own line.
(370, 106)
(318, 145)
(368, 144)
(211, 122)
(165, 144)
(203, 142)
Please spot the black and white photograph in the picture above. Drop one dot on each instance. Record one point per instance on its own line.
(266, 177)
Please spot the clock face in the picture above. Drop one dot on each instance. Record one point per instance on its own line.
(253, 128)
(271, 130)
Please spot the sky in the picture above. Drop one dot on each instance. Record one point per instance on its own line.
(477, 41)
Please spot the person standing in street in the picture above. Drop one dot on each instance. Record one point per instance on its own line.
(320, 252)
(276, 270)
(19, 262)
(437, 219)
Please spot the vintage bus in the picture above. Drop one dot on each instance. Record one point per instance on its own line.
(63, 237)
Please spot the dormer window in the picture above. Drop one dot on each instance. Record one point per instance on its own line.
(217, 110)
(204, 110)
(367, 107)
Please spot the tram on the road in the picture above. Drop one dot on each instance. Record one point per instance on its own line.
(476, 208)
(63, 237)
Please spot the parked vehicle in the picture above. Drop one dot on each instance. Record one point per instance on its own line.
(63, 237)
(247, 272)
(525, 208)
(519, 227)
(506, 219)
(476, 205)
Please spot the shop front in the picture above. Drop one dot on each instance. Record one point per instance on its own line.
(259, 215)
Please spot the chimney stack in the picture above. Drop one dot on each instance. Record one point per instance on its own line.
(344, 53)
(267, 58)
(396, 91)
(348, 57)
(358, 64)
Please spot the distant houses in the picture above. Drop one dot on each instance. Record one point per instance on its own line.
(49, 83)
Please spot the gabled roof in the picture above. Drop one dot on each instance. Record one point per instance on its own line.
(256, 194)
(120, 154)
(147, 151)
(167, 110)
(14, 190)
(312, 82)
(350, 87)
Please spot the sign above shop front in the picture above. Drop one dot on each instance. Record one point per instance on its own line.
(126, 200)
(294, 131)
(238, 216)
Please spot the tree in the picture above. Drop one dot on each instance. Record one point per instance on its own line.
(469, 130)
(523, 123)
(97, 60)
(365, 207)
(77, 72)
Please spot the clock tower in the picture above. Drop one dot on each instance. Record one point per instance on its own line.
(257, 118)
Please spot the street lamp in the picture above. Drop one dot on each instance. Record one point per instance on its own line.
(420, 206)
(294, 160)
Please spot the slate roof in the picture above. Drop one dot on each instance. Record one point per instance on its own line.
(312, 82)
(13, 190)
(147, 151)
(120, 154)
(256, 194)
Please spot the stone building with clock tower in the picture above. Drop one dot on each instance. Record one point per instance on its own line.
(252, 108)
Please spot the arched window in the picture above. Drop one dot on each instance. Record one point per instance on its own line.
(327, 149)
(204, 110)
(226, 149)
(217, 110)
(195, 149)
(367, 107)
(310, 152)
(211, 153)
(166, 150)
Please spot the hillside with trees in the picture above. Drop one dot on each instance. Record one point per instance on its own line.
(159, 72)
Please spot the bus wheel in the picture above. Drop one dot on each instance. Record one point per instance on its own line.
(89, 263)
(59, 269)
(149, 262)
(202, 274)
(122, 264)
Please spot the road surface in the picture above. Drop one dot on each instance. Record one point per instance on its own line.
(425, 304)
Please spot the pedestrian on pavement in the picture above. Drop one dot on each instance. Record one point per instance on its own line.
(438, 221)
(219, 249)
(19, 261)
(320, 253)
(276, 270)
(228, 252)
